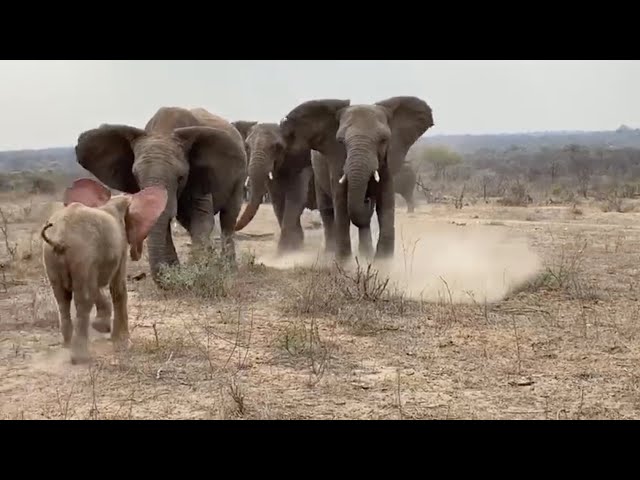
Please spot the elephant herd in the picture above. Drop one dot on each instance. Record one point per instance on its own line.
(341, 159)
(344, 160)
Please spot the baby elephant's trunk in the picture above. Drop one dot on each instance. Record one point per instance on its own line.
(57, 247)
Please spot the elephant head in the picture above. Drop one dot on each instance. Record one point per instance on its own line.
(173, 151)
(266, 149)
(374, 140)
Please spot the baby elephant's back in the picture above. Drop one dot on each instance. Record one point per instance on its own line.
(95, 241)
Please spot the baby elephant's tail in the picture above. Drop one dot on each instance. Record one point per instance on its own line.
(57, 247)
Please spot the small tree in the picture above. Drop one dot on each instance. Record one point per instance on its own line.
(440, 159)
(581, 165)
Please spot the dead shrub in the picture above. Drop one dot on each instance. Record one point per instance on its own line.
(358, 297)
(615, 202)
(565, 274)
(517, 196)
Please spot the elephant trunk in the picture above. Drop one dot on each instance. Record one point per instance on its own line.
(159, 241)
(259, 169)
(360, 165)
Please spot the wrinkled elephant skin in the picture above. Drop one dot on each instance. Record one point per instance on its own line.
(198, 157)
(358, 149)
(285, 174)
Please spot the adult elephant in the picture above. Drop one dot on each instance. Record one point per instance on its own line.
(286, 175)
(360, 149)
(404, 183)
(197, 156)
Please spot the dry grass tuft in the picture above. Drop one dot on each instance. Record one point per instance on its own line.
(359, 298)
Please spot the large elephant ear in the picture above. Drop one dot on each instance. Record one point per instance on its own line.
(107, 152)
(244, 126)
(144, 209)
(314, 121)
(409, 118)
(208, 147)
(87, 192)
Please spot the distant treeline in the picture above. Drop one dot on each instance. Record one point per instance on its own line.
(540, 167)
(63, 158)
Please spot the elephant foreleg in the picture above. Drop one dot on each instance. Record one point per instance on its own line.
(342, 222)
(228, 216)
(325, 206)
(385, 208)
(292, 237)
(277, 191)
(196, 216)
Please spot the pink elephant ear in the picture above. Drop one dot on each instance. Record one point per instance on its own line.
(144, 209)
(88, 192)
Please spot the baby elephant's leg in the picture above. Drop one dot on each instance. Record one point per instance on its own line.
(118, 289)
(63, 298)
(80, 343)
(102, 322)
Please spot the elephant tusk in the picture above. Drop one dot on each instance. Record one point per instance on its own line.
(246, 182)
(270, 176)
(376, 176)
(342, 179)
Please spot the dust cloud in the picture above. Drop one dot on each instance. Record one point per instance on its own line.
(436, 261)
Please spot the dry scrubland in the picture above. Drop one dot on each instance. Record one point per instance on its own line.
(489, 311)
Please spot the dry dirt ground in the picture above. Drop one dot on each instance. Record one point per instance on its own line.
(488, 312)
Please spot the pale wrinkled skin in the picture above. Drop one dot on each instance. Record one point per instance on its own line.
(197, 156)
(282, 172)
(85, 250)
(358, 149)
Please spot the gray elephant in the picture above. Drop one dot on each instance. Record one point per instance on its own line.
(285, 175)
(404, 183)
(197, 156)
(358, 150)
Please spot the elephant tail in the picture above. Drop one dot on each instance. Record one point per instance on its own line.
(58, 248)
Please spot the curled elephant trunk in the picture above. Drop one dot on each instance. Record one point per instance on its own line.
(360, 167)
(360, 207)
(259, 174)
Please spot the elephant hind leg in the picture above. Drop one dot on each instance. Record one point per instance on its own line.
(63, 298)
(102, 323)
(292, 234)
(411, 206)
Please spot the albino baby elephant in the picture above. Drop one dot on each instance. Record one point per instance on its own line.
(85, 250)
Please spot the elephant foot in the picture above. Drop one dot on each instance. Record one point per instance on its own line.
(382, 258)
(80, 352)
(342, 258)
(121, 342)
(102, 325)
(284, 250)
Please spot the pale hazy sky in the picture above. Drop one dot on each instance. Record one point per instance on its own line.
(49, 103)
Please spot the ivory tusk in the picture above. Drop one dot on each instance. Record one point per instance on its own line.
(246, 182)
(342, 179)
(376, 176)
(270, 176)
